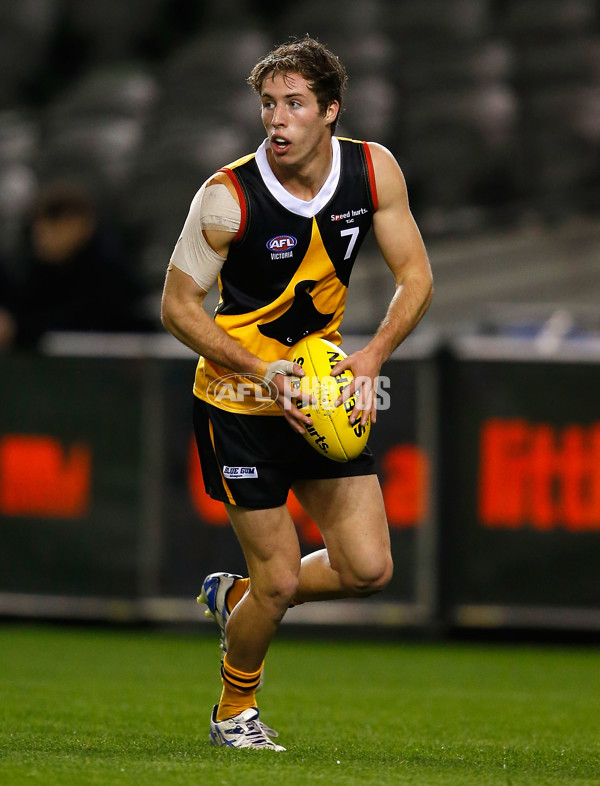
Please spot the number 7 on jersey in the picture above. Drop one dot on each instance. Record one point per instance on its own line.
(353, 232)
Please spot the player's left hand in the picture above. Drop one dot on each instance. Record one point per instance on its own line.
(365, 366)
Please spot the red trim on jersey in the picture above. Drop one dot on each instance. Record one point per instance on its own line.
(236, 183)
(371, 171)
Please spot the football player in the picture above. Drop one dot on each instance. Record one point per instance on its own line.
(279, 230)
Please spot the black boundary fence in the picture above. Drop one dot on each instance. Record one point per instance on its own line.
(488, 454)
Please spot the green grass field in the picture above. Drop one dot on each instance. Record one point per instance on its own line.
(122, 708)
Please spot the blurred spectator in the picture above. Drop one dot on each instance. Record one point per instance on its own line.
(8, 325)
(73, 273)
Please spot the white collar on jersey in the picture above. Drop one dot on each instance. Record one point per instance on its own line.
(289, 201)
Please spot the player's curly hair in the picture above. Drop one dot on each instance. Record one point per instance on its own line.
(322, 70)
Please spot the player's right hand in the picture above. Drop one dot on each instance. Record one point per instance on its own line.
(281, 378)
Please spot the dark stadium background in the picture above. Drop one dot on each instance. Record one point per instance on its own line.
(490, 453)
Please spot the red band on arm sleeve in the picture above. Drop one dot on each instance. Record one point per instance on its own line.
(230, 174)
(371, 172)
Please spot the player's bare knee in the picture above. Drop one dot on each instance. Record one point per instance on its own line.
(285, 588)
(383, 578)
(278, 592)
(370, 578)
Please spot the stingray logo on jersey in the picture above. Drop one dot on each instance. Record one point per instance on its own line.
(235, 393)
(281, 246)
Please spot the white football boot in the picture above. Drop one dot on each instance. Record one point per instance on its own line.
(243, 731)
(215, 589)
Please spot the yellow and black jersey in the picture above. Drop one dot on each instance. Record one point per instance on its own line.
(288, 268)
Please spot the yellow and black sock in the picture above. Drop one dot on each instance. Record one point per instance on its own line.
(239, 689)
(236, 593)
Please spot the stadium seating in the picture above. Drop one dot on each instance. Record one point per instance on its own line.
(491, 106)
(19, 142)
(26, 28)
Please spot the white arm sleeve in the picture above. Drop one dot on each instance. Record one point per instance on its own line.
(213, 207)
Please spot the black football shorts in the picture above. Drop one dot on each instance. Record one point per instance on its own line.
(252, 460)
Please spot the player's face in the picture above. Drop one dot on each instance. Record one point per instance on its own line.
(296, 127)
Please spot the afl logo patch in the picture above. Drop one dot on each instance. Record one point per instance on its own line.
(281, 243)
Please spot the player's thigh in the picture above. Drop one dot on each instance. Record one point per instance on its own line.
(350, 515)
(270, 544)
